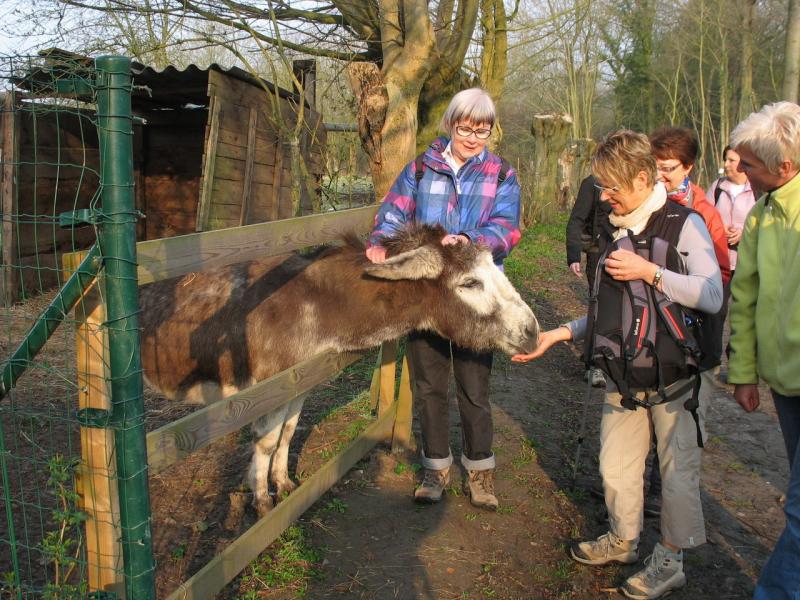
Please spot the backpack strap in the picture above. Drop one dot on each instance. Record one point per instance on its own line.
(669, 311)
(717, 193)
(505, 167)
(588, 349)
(419, 170)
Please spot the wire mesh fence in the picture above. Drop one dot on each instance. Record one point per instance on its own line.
(69, 477)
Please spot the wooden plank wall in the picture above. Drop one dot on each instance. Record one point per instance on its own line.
(172, 145)
(247, 174)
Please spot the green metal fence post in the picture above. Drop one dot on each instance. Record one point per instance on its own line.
(118, 245)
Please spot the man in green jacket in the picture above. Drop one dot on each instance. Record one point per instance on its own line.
(765, 313)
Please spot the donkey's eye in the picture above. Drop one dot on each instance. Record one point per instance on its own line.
(472, 284)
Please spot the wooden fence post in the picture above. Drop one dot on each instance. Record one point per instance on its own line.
(401, 435)
(9, 153)
(97, 479)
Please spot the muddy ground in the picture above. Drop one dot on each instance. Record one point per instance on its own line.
(367, 539)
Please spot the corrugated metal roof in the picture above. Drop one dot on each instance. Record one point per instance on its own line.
(173, 87)
(166, 88)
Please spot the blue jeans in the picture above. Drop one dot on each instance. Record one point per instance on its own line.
(780, 577)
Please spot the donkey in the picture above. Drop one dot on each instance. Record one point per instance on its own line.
(207, 335)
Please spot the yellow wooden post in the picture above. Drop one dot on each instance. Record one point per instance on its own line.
(96, 477)
(388, 371)
(401, 436)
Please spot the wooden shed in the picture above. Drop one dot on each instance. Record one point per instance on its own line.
(211, 150)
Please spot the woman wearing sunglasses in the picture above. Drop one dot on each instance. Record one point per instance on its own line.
(458, 184)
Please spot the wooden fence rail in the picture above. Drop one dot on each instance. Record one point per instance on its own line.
(172, 257)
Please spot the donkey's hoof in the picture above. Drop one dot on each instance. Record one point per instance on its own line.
(284, 488)
(263, 505)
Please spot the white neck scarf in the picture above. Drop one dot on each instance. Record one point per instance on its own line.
(637, 219)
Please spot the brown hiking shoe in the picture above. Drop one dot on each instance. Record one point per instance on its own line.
(480, 487)
(432, 486)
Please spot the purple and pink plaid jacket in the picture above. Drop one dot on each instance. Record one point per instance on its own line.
(471, 203)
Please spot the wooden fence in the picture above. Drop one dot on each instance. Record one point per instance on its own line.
(166, 258)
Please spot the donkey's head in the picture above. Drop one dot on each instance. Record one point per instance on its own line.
(470, 300)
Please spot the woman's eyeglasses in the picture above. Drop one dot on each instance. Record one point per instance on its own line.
(607, 190)
(667, 170)
(465, 131)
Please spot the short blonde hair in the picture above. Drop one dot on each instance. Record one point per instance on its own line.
(473, 105)
(620, 156)
(772, 134)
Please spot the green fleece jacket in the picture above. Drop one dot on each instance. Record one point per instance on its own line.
(765, 311)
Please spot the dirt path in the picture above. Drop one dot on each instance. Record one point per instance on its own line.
(374, 542)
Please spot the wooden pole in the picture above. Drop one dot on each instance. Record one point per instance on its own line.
(401, 435)
(97, 475)
(9, 151)
(388, 371)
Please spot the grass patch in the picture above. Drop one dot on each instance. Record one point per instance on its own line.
(541, 248)
(526, 455)
(288, 566)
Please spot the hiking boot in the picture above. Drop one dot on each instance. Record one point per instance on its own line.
(480, 487)
(605, 549)
(662, 573)
(432, 486)
(596, 376)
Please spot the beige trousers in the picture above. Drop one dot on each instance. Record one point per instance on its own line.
(625, 439)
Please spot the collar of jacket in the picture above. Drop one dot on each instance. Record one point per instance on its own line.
(726, 184)
(786, 199)
(438, 146)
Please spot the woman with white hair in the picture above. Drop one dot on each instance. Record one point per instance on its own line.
(474, 195)
(765, 313)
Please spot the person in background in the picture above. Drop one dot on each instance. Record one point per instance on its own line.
(765, 309)
(676, 150)
(475, 196)
(733, 198)
(587, 220)
(625, 169)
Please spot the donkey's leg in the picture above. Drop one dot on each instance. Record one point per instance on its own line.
(280, 462)
(267, 431)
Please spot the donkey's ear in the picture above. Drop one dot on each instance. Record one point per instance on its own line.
(420, 263)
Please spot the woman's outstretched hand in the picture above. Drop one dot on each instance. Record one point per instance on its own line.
(546, 340)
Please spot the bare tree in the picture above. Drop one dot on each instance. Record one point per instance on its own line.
(416, 48)
(791, 72)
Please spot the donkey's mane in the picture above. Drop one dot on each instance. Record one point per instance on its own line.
(416, 236)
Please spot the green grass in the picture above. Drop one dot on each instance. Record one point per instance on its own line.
(289, 567)
(541, 247)
(526, 455)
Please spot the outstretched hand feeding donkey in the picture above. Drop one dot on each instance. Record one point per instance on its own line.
(205, 336)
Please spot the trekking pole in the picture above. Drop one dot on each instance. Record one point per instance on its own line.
(587, 396)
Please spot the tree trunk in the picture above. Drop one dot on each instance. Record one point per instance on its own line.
(551, 134)
(791, 73)
(746, 99)
(388, 100)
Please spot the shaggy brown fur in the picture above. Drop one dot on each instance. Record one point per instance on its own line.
(207, 335)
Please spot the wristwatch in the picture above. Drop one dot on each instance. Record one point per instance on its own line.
(657, 277)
